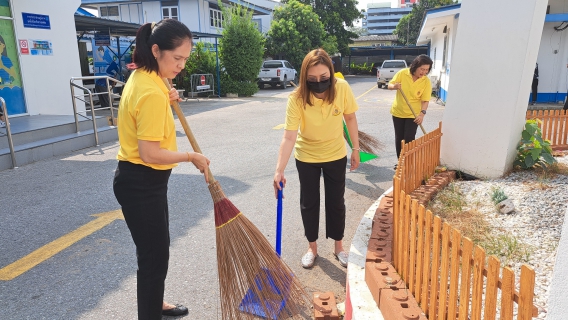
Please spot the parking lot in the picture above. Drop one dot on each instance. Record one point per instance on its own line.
(95, 277)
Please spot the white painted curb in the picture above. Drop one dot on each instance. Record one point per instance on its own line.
(364, 307)
(557, 306)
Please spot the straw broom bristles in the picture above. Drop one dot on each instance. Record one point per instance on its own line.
(246, 260)
(369, 144)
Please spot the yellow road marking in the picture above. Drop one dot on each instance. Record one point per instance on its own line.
(373, 87)
(16, 268)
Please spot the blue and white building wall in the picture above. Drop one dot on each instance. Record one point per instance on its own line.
(439, 31)
(552, 53)
(41, 72)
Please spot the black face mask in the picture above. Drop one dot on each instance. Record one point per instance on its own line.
(319, 87)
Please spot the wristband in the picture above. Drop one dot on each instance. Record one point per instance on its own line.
(188, 157)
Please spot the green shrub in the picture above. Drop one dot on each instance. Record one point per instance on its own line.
(533, 150)
(244, 89)
(241, 50)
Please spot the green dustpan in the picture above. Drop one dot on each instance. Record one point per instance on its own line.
(364, 156)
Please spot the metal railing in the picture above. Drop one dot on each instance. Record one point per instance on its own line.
(88, 93)
(8, 132)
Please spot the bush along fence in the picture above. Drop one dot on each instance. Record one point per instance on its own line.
(433, 265)
(554, 126)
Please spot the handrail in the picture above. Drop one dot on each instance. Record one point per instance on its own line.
(8, 133)
(73, 85)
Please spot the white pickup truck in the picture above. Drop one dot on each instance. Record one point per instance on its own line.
(274, 72)
(387, 71)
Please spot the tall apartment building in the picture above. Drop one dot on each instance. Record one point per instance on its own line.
(383, 17)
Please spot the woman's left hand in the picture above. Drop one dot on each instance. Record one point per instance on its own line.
(419, 118)
(355, 160)
(174, 95)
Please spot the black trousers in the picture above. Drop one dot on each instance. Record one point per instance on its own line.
(404, 129)
(142, 194)
(534, 89)
(334, 186)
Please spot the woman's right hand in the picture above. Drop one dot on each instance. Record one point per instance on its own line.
(278, 177)
(396, 86)
(202, 163)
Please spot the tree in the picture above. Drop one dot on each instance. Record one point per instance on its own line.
(201, 61)
(359, 31)
(296, 30)
(336, 16)
(240, 50)
(408, 28)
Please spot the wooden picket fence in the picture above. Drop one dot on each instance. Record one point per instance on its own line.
(420, 159)
(554, 126)
(448, 274)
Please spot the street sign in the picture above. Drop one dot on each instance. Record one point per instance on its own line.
(102, 40)
(38, 21)
(202, 80)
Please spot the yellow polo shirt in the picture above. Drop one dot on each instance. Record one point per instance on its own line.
(320, 126)
(416, 92)
(144, 113)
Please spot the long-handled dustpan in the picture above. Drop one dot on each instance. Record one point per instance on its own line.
(364, 156)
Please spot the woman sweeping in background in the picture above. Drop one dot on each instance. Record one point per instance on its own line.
(418, 89)
(314, 120)
(147, 154)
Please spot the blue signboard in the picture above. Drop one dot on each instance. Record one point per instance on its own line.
(38, 21)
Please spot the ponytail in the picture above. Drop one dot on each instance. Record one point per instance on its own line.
(168, 34)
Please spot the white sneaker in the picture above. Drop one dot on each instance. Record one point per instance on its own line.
(343, 258)
(308, 260)
(2, 124)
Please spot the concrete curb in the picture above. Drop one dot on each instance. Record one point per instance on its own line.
(557, 307)
(359, 299)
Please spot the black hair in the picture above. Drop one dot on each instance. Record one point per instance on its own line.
(4, 53)
(100, 49)
(419, 62)
(168, 34)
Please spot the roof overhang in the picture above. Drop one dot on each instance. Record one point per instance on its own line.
(107, 26)
(258, 10)
(119, 28)
(435, 20)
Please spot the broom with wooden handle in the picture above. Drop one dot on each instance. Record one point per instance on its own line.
(253, 280)
(412, 110)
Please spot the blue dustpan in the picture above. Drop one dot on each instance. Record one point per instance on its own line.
(251, 303)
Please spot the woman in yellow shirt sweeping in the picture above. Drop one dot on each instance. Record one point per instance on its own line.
(418, 89)
(314, 126)
(147, 154)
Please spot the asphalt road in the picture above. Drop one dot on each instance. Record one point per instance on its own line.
(95, 277)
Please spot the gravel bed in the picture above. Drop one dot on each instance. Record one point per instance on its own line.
(540, 206)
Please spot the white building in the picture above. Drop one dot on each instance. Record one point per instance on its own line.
(439, 30)
(202, 16)
(38, 47)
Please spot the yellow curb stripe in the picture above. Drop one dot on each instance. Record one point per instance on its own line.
(24, 264)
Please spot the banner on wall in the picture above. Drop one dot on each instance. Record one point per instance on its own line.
(10, 75)
(106, 60)
(41, 48)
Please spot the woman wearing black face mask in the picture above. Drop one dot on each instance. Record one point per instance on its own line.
(314, 125)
